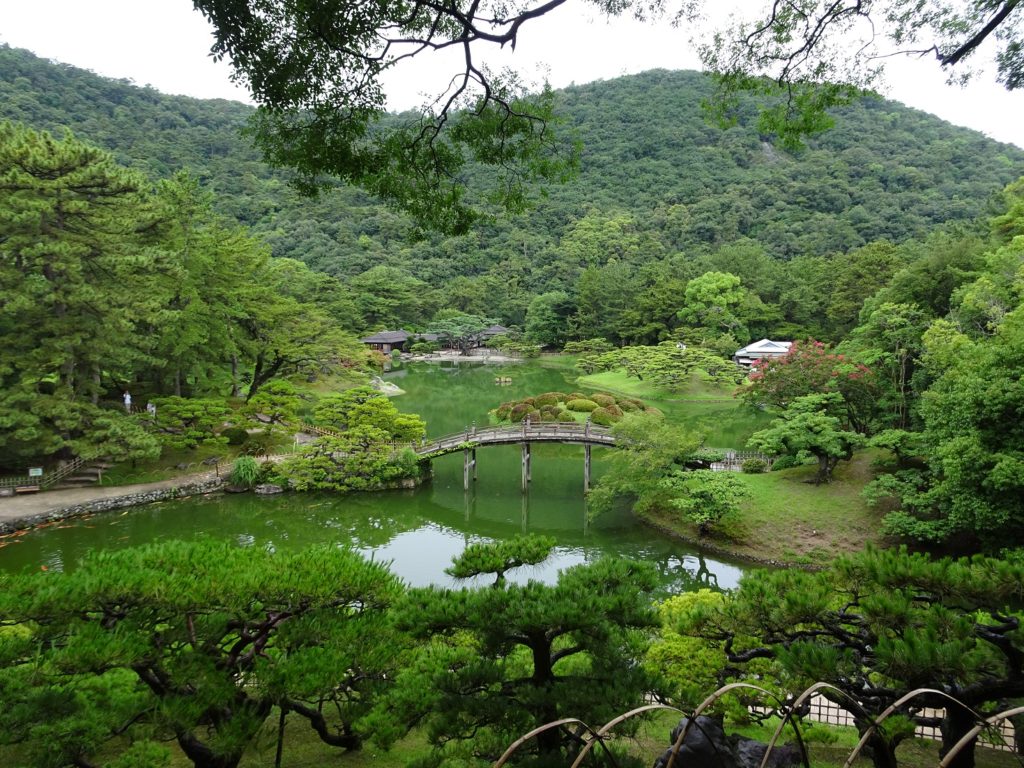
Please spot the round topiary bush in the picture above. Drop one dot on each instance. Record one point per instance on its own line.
(548, 398)
(603, 417)
(576, 396)
(535, 416)
(754, 466)
(519, 411)
(235, 435)
(784, 462)
(503, 411)
(582, 405)
(548, 416)
(603, 399)
(614, 410)
(566, 416)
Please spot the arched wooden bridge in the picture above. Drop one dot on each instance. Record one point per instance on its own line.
(524, 434)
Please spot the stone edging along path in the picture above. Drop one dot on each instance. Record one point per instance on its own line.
(21, 512)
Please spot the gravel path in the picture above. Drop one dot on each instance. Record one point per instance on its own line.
(44, 503)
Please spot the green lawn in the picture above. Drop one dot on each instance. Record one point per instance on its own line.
(708, 410)
(790, 520)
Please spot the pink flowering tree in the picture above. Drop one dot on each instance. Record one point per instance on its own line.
(810, 368)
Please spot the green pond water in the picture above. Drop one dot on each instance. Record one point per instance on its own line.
(417, 531)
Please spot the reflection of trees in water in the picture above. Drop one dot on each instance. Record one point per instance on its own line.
(688, 573)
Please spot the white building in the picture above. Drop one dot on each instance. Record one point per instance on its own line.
(751, 354)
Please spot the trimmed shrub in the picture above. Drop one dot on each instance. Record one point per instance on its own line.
(785, 462)
(424, 347)
(548, 416)
(575, 396)
(502, 411)
(552, 409)
(603, 417)
(235, 435)
(566, 416)
(614, 410)
(707, 456)
(582, 405)
(754, 466)
(529, 400)
(519, 411)
(603, 399)
(549, 398)
(628, 406)
(535, 416)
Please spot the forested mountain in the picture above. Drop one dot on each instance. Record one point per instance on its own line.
(651, 166)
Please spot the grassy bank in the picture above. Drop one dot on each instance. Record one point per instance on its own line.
(707, 409)
(790, 520)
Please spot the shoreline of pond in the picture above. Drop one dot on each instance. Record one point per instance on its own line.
(209, 485)
(104, 500)
(722, 551)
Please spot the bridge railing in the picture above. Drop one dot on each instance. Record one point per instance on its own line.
(525, 431)
(45, 480)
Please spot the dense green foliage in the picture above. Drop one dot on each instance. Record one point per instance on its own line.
(367, 451)
(112, 287)
(671, 365)
(810, 427)
(498, 661)
(704, 496)
(877, 626)
(199, 642)
(191, 642)
(649, 211)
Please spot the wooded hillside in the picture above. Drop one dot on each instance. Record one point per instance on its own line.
(653, 171)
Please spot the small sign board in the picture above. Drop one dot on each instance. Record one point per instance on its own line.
(35, 471)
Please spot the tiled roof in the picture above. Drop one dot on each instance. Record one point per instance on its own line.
(765, 346)
(387, 337)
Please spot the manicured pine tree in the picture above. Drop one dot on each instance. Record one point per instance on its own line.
(501, 659)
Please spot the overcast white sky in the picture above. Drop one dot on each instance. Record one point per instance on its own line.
(165, 43)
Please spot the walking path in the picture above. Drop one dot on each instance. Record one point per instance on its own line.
(36, 507)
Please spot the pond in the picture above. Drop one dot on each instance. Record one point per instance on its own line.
(418, 531)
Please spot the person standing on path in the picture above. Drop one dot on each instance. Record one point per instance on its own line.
(128, 401)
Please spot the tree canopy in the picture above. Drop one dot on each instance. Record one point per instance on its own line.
(315, 68)
(195, 642)
(877, 625)
(819, 53)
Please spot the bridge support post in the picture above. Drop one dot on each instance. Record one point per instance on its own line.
(586, 467)
(468, 466)
(526, 466)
